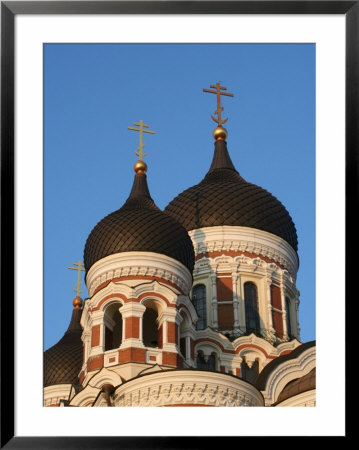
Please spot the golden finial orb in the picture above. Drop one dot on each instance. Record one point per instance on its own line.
(220, 134)
(77, 302)
(140, 166)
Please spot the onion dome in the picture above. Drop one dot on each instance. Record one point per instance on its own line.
(139, 225)
(263, 377)
(223, 197)
(298, 386)
(63, 361)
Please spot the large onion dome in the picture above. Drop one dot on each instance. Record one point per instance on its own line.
(223, 197)
(63, 361)
(139, 226)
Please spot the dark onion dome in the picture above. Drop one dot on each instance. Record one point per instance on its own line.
(223, 197)
(139, 226)
(63, 361)
(298, 386)
(273, 365)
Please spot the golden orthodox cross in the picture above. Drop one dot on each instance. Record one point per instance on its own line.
(79, 268)
(219, 109)
(142, 130)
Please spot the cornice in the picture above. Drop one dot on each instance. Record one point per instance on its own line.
(138, 264)
(53, 394)
(187, 387)
(243, 239)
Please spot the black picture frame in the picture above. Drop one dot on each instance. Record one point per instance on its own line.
(9, 9)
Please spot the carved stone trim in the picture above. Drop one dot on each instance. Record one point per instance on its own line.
(242, 239)
(54, 394)
(138, 264)
(181, 387)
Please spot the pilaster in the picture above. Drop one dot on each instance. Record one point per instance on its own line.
(235, 301)
(214, 300)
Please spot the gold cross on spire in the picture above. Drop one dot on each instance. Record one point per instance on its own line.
(142, 130)
(79, 268)
(218, 88)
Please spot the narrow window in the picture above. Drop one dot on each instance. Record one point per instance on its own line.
(150, 330)
(249, 373)
(199, 302)
(113, 337)
(251, 307)
(287, 309)
(202, 363)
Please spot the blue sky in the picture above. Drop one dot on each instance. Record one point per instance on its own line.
(93, 92)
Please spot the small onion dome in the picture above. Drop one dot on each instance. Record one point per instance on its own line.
(139, 226)
(63, 361)
(223, 197)
(263, 377)
(298, 386)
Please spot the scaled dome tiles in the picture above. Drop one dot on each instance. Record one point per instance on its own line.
(223, 197)
(139, 226)
(63, 361)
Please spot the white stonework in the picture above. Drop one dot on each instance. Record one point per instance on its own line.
(132, 299)
(244, 269)
(54, 394)
(288, 371)
(86, 397)
(137, 264)
(148, 383)
(187, 387)
(244, 239)
(252, 347)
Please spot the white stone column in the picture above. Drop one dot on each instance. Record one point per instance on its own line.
(188, 348)
(214, 300)
(235, 301)
(86, 341)
(269, 304)
(242, 315)
(166, 316)
(270, 331)
(296, 315)
(284, 309)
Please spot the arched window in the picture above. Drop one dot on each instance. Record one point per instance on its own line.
(287, 310)
(150, 329)
(249, 373)
(201, 362)
(113, 333)
(199, 302)
(251, 307)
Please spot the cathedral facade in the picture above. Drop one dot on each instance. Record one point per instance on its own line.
(201, 310)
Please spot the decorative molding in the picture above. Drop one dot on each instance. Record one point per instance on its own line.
(288, 371)
(138, 264)
(122, 293)
(105, 376)
(86, 397)
(243, 239)
(187, 387)
(53, 394)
